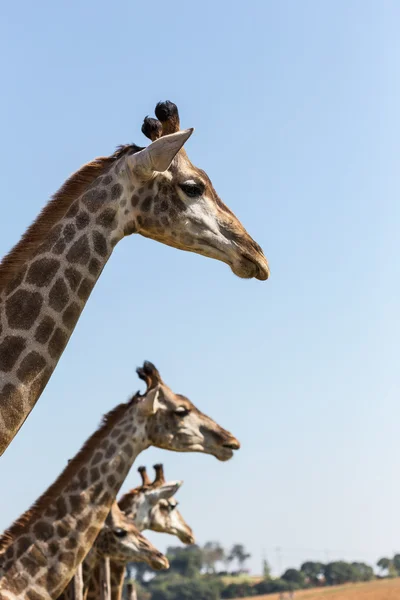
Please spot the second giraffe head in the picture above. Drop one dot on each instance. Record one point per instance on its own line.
(172, 421)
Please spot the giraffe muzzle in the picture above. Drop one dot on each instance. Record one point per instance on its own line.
(159, 562)
(251, 267)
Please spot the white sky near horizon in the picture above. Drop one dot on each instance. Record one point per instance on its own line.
(296, 110)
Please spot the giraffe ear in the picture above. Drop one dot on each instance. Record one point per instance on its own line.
(159, 154)
(163, 492)
(149, 404)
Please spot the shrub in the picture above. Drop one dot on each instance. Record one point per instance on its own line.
(238, 590)
(272, 586)
(186, 589)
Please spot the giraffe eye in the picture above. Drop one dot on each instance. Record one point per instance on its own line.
(192, 189)
(120, 533)
(182, 411)
(164, 505)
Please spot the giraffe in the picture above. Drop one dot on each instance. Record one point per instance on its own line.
(153, 506)
(120, 540)
(41, 551)
(47, 278)
(150, 500)
(150, 506)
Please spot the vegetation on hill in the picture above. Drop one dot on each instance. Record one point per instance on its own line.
(195, 574)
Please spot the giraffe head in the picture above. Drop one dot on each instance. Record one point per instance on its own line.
(122, 542)
(154, 506)
(175, 203)
(174, 423)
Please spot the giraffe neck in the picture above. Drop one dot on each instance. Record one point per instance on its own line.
(92, 567)
(44, 548)
(41, 306)
(117, 577)
(117, 568)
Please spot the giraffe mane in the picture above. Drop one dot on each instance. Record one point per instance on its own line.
(54, 210)
(54, 491)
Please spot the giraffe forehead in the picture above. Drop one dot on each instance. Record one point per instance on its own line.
(183, 169)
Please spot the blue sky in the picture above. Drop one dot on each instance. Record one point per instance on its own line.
(295, 106)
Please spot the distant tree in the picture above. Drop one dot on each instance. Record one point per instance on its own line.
(238, 553)
(185, 561)
(212, 552)
(313, 571)
(384, 564)
(362, 571)
(294, 576)
(266, 570)
(396, 563)
(227, 561)
(339, 572)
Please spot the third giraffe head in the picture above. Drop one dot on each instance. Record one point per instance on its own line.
(174, 202)
(153, 506)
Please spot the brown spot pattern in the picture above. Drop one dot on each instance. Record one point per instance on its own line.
(94, 266)
(85, 288)
(71, 315)
(42, 271)
(61, 507)
(23, 308)
(100, 244)
(116, 191)
(67, 558)
(30, 367)
(59, 247)
(69, 232)
(73, 277)
(44, 330)
(58, 296)
(106, 218)
(134, 200)
(57, 343)
(79, 251)
(10, 350)
(82, 220)
(146, 204)
(43, 530)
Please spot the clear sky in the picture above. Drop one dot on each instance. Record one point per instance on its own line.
(296, 110)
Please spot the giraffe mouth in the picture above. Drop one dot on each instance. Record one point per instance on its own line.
(249, 268)
(159, 562)
(225, 451)
(186, 538)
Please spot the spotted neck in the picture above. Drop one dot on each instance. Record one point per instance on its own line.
(117, 577)
(117, 569)
(41, 306)
(40, 552)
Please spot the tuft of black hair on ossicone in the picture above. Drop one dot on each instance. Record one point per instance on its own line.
(152, 128)
(166, 110)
